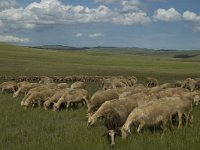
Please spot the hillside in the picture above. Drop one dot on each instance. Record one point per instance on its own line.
(17, 60)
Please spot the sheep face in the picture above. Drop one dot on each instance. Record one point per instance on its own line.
(15, 95)
(26, 104)
(22, 103)
(124, 132)
(90, 121)
(55, 107)
(46, 104)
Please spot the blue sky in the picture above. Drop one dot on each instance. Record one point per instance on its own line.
(159, 24)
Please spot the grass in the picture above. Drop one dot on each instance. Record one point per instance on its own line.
(22, 129)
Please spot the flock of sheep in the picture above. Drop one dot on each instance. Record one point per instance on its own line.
(121, 103)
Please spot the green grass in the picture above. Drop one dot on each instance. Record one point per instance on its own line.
(22, 129)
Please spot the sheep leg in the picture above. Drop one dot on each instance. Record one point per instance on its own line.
(2, 90)
(140, 127)
(180, 120)
(39, 103)
(112, 135)
(171, 123)
(33, 106)
(67, 107)
(164, 127)
(188, 119)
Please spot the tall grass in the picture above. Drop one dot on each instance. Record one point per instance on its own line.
(39, 129)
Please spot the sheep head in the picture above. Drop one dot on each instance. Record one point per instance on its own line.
(55, 107)
(91, 121)
(124, 131)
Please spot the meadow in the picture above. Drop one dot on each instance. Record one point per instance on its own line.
(22, 129)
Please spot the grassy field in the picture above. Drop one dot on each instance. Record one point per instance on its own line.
(39, 129)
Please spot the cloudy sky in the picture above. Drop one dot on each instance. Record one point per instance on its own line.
(159, 24)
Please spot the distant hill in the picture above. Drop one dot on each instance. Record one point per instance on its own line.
(127, 50)
(61, 47)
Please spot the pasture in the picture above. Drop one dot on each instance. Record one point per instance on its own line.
(39, 129)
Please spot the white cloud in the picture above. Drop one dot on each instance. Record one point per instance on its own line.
(106, 1)
(132, 18)
(169, 15)
(129, 5)
(10, 38)
(79, 34)
(53, 12)
(93, 35)
(191, 16)
(6, 4)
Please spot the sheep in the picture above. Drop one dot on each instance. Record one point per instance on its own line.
(38, 97)
(78, 85)
(45, 80)
(197, 84)
(189, 84)
(182, 105)
(25, 87)
(178, 84)
(63, 85)
(99, 97)
(137, 99)
(71, 97)
(165, 86)
(115, 112)
(10, 85)
(160, 111)
(54, 98)
(150, 114)
(152, 82)
(115, 82)
(38, 89)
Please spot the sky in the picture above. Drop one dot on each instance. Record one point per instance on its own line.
(157, 24)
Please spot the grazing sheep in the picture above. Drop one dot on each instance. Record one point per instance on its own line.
(118, 82)
(72, 96)
(38, 89)
(151, 82)
(78, 85)
(25, 87)
(178, 83)
(54, 98)
(160, 111)
(197, 84)
(45, 80)
(129, 102)
(165, 86)
(150, 114)
(38, 97)
(99, 97)
(10, 86)
(182, 105)
(189, 84)
(62, 85)
(115, 112)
